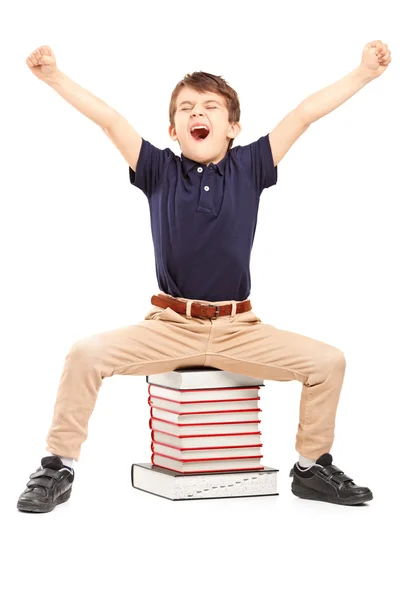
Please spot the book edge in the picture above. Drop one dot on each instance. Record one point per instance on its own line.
(151, 467)
(208, 497)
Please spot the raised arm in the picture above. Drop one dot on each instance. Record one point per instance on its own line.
(375, 60)
(42, 64)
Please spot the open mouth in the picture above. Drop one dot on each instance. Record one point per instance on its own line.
(199, 133)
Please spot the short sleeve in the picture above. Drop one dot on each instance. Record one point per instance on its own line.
(150, 167)
(256, 159)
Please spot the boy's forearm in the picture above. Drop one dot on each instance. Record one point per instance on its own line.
(324, 101)
(89, 105)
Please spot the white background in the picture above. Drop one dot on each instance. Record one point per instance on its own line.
(77, 258)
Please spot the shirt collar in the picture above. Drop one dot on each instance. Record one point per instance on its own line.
(189, 164)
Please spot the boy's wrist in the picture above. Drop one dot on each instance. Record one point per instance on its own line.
(55, 78)
(365, 74)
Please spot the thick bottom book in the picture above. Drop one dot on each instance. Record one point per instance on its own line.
(181, 486)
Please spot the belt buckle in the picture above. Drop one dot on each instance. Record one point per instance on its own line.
(217, 311)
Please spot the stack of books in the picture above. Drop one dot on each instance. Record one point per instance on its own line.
(205, 436)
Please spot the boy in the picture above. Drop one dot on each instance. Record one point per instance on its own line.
(203, 208)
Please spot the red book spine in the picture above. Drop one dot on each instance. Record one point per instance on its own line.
(202, 448)
(185, 460)
(249, 387)
(204, 424)
(207, 400)
(208, 434)
(209, 470)
(211, 412)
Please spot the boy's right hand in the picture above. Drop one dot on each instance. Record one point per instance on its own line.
(42, 63)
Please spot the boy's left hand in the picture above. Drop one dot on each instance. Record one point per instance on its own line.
(376, 57)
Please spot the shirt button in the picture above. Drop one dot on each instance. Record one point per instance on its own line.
(206, 188)
(199, 170)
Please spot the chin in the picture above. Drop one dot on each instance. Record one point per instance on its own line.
(198, 150)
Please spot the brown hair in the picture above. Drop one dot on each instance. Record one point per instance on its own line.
(205, 82)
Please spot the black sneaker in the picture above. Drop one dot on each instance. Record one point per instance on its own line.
(49, 486)
(323, 481)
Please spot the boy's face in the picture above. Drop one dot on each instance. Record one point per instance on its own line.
(209, 109)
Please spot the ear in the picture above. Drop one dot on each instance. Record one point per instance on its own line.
(172, 133)
(234, 130)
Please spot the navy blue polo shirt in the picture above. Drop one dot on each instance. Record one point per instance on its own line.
(203, 219)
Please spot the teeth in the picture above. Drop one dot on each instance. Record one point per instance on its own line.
(199, 127)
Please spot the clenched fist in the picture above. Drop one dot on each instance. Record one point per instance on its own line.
(376, 58)
(42, 62)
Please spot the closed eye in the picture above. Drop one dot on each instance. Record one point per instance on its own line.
(211, 107)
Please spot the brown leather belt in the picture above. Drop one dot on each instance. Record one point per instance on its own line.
(210, 311)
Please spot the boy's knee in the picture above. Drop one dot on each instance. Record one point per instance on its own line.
(334, 361)
(339, 360)
(85, 349)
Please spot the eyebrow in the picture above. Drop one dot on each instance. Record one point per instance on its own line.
(205, 102)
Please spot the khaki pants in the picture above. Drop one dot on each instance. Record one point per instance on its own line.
(167, 340)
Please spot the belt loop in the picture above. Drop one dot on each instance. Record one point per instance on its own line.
(233, 313)
(189, 309)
